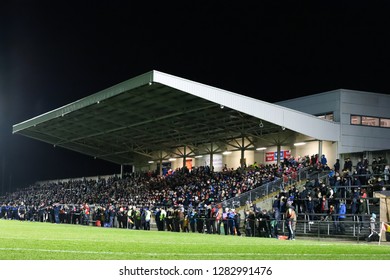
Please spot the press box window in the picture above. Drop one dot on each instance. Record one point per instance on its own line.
(370, 121)
(357, 120)
(385, 122)
(328, 116)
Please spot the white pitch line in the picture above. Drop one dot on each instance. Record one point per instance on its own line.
(181, 254)
(278, 243)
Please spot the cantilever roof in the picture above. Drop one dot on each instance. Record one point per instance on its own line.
(157, 111)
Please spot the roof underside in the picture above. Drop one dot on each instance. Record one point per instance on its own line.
(138, 118)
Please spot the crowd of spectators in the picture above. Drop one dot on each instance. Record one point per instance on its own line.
(190, 200)
(69, 200)
(344, 194)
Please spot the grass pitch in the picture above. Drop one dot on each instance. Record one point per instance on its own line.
(45, 241)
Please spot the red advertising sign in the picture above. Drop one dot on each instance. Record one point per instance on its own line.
(273, 156)
(270, 156)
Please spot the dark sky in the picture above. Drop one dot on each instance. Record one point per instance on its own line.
(55, 52)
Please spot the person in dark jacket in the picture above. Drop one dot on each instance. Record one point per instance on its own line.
(362, 211)
(251, 223)
(336, 166)
(237, 221)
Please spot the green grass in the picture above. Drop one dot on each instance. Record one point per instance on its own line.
(45, 241)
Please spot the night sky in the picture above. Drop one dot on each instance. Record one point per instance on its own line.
(55, 52)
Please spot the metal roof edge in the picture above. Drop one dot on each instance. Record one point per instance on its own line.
(274, 113)
(277, 114)
(97, 97)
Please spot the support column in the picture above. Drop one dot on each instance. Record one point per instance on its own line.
(242, 148)
(319, 149)
(211, 156)
(160, 171)
(184, 156)
(278, 154)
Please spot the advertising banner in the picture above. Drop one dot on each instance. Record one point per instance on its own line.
(273, 156)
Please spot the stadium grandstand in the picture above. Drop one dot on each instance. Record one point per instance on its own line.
(211, 161)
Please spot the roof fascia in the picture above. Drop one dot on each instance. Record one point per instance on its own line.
(285, 117)
(112, 91)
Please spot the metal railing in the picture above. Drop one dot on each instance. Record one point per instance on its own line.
(272, 187)
(253, 195)
(323, 225)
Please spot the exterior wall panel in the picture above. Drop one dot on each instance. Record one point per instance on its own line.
(355, 138)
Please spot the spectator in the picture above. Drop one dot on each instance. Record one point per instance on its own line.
(310, 209)
(324, 206)
(362, 211)
(348, 165)
(291, 218)
(250, 224)
(324, 161)
(342, 212)
(147, 215)
(237, 222)
(336, 166)
(231, 221)
(375, 166)
(386, 173)
(372, 225)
